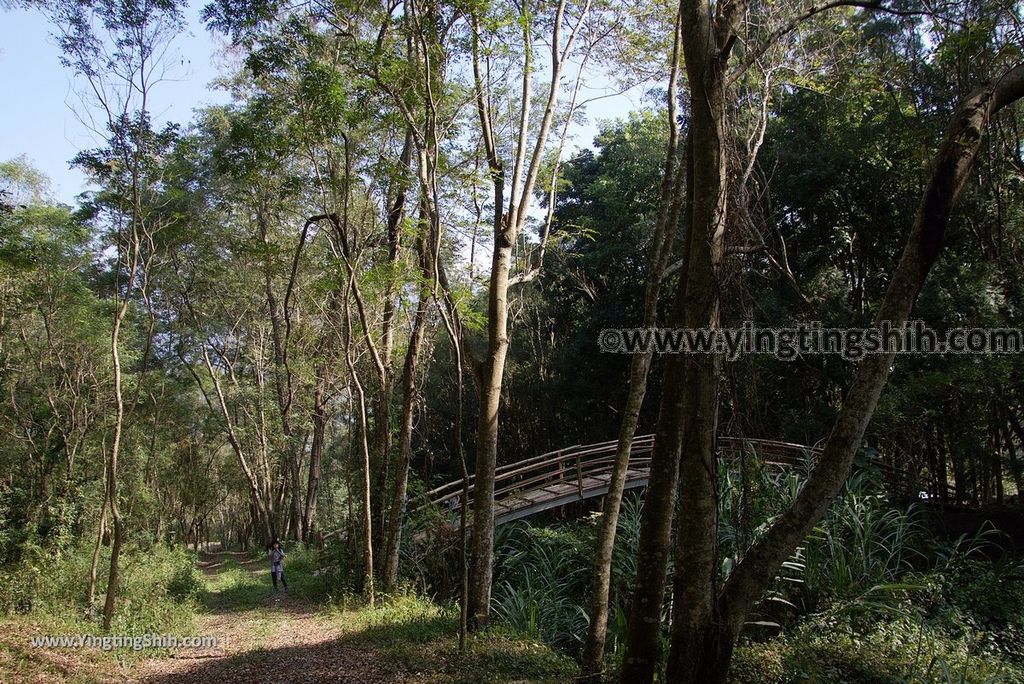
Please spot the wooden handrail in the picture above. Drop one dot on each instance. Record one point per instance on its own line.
(593, 462)
(596, 460)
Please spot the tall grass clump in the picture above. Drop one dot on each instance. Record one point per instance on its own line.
(542, 576)
(863, 542)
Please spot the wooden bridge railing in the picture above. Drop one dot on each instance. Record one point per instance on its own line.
(583, 471)
(588, 468)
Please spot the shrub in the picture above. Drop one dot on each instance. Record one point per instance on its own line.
(156, 592)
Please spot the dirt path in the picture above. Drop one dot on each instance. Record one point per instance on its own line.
(264, 637)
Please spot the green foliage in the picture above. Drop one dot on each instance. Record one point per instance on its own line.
(543, 572)
(862, 543)
(419, 635)
(543, 578)
(870, 596)
(889, 651)
(983, 599)
(157, 593)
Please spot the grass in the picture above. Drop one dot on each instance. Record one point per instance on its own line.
(422, 637)
(896, 651)
(235, 588)
(46, 597)
(20, 662)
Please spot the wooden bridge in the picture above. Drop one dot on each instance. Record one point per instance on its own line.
(577, 473)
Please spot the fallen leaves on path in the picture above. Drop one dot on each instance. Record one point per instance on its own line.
(285, 640)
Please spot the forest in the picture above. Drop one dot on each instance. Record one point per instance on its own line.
(367, 324)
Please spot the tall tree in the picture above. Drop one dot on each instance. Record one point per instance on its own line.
(511, 209)
(119, 49)
(666, 225)
(706, 616)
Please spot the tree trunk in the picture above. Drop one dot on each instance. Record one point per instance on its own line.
(684, 441)
(316, 451)
(482, 545)
(398, 500)
(364, 444)
(96, 549)
(382, 439)
(694, 630)
(755, 572)
(115, 511)
(507, 226)
(667, 224)
(1016, 470)
(644, 627)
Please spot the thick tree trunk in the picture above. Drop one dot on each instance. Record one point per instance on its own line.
(694, 633)
(684, 442)
(752, 576)
(482, 553)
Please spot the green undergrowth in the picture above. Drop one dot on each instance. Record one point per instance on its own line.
(47, 595)
(421, 636)
(871, 595)
(157, 589)
(894, 651)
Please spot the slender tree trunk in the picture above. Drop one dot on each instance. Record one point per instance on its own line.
(99, 542)
(295, 508)
(364, 444)
(282, 376)
(382, 438)
(115, 447)
(396, 515)
(368, 588)
(316, 451)
(1016, 470)
(507, 227)
(482, 555)
(664, 234)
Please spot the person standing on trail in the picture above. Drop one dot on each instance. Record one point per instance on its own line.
(276, 554)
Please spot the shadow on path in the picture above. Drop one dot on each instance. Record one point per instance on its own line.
(265, 636)
(328, 661)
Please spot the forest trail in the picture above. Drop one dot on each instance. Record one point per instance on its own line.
(291, 638)
(264, 636)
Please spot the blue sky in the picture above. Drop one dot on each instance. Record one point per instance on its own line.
(38, 119)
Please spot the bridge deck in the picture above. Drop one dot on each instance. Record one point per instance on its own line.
(524, 504)
(579, 472)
